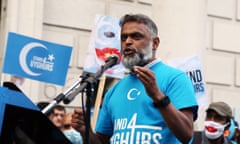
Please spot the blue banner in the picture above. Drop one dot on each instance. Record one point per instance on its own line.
(36, 59)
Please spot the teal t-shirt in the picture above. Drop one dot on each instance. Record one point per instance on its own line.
(128, 114)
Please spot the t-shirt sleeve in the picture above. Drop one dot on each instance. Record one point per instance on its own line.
(181, 93)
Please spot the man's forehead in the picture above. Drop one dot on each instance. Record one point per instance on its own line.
(213, 112)
(57, 110)
(134, 27)
(131, 33)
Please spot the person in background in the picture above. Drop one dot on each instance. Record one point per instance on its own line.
(233, 132)
(62, 121)
(70, 132)
(236, 136)
(217, 121)
(153, 104)
(56, 115)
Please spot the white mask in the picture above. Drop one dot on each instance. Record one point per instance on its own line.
(213, 130)
(73, 136)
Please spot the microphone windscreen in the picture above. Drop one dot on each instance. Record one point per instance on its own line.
(113, 57)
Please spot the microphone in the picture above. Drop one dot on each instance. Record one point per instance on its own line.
(111, 61)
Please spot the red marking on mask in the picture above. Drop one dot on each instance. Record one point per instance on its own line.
(210, 129)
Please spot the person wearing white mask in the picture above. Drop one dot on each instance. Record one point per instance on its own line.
(73, 135)
(218, 116)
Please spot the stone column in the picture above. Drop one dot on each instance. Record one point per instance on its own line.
(182, 27)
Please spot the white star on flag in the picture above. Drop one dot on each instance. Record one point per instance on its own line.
(51, 57)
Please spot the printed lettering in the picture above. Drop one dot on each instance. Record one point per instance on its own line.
(120, 124)
(195, 75)
(199, 87)
(129, 132)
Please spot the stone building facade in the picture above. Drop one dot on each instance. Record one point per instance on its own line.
(208, 28)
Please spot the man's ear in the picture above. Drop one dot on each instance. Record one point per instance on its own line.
(156, 42)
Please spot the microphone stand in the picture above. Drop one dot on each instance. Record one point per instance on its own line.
(60, 97)
(86, 82)
(89, 79)
(90, 94)
(89, 84)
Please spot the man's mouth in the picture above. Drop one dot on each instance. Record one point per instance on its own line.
(129, 52)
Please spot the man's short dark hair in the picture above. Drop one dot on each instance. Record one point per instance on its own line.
(58, 107)
(140, 18)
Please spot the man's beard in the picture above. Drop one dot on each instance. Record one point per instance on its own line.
(139, 58)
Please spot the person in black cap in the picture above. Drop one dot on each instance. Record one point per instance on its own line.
(218, 116)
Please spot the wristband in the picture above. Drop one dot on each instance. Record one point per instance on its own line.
(162, 103)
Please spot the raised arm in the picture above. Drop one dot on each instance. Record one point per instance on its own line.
(180, 122)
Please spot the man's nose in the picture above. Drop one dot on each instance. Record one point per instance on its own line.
(129, 41)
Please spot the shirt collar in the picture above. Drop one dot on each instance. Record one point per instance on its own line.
(152, 63)
(149, 65)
